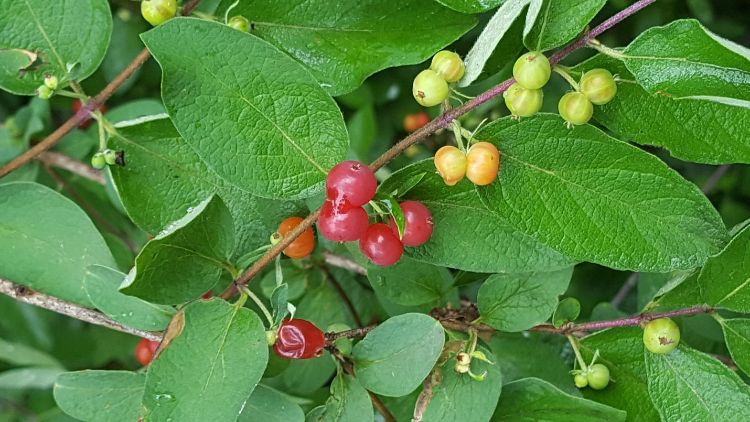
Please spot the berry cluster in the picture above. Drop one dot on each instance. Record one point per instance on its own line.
(480, 164)
(106, 158)
(430, 87)
(597, 86)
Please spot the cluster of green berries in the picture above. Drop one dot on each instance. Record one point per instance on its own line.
(108, 157)
(48, 88)
(597, 86)
(430, 87)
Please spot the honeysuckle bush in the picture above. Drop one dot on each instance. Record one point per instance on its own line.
(528, 302)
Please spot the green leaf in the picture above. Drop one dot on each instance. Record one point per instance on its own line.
(211, 366)
(692, 129)
(164, 177)
(362, 128)
(41, 253)
(689, 385)
(598, 199)
(269, 129)
(394, 358)
(410, 282)
(100, 396)
(471, 6)
(724, 282)
(186, 259)
(269, 405)
(458, 397)
(559, 21)
(567, 311)
(19, 354)
(533, 400)
(466, 236)
(513, 351)
(737, 336)
(684, 59)
(52, 33)
(349, 402)
(329, 40)
(621, 349)
(37, 378)
(280, 303)
(517, 302)
(102, 284)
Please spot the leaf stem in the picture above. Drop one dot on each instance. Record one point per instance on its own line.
(574, 344)
(260, 304)
(560, 70)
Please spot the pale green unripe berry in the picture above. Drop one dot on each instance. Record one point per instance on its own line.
(532, 70)
(599, 86)
(598, 376)
(661, 336)
(575, 108)
(51, 82)
(429, 88)
(98, 161)
(523, 102)
(239, 23)
(448, 65)
(156, 12)
(110, 156)
(581, 381)
(44, 92)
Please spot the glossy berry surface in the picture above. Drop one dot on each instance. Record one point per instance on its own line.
(429, 89)
(302, 245)
(145, 351)
(156, 12)
(381, 246)
(599, 86)
(299, 339)
(448, 65)
(415, 121)
(98, 161)
(575, 108)
(352, 181)
(523, 102)
(598, 376)
(239, 23)
(340, 221)
(77, 105)
(418, 223)
(450, 163)
(532, 70)
(580, 381)
(661, 336)
(482, 163)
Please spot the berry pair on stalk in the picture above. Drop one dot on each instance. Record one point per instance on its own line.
(480, 164)
(531, 71)
(430, 87)
(597, 86)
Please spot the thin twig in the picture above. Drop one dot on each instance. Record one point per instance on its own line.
(714, 179)
(439, 122)
(72, 165)
(345, 263)
(85, 111)
(343, 295)
(26, 295)
(625, 289)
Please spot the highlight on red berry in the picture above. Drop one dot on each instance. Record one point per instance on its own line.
(418, 223)
(303, 245)
(381, 246)
(415, 121)
(145, 351)
(340, 221)
(353, 181)
(299, 339)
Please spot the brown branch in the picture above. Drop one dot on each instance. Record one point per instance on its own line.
(439, 122)
(345, 263)
(72, 165)
(86, 110)
(26, 295)
(343, 295)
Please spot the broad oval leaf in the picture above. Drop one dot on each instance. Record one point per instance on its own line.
(269, 405)
(349, 402)
(329, 39)
(19, 354)
(268, 129)
(684, 59)
(690, 385)
(513, 350)
(471, 6)
(410, 282)
(517, 302)
(40, 37)
(102, 284)
(41, 253)
(737, 336)
(559, 21)
(32, 377)
(211, 366)
(101, 396)
(692, 129)
(394, 358)
(488, 242)
(164, 177)
(532, 399)
(186, 259)
(724, 282)
(566, 311)
(598, 199)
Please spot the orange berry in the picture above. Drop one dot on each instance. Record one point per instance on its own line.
(303, 245)
(415, 121)
(482, 163)
(450, 162)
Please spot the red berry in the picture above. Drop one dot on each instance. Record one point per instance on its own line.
(299, 339)
(351, 180)
(381, 246)
(339, 221)
(417, 224)
(77, 105)
(145, 351)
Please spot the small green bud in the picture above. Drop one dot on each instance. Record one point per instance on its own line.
(44, 92)
(110, 156)
(51, 82)
(98, 161)
(239, 23)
